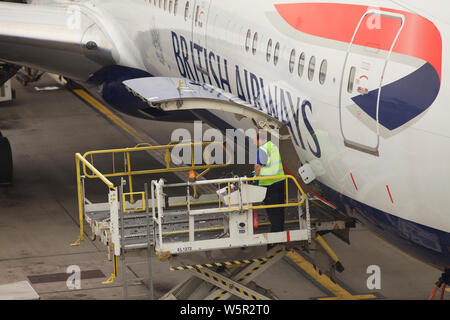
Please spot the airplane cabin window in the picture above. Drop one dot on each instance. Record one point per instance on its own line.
(175, 8)
(276, 53)
(301, 64)
(323, 71)
(247, 40)
(351, 79)
(269, 50)
(255, 42)
(197, 10)
(186, 11)
(292, 61)
(312, 68)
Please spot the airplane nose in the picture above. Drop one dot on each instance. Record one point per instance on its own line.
(98, 47)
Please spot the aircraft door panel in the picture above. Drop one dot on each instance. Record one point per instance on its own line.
(366, 62)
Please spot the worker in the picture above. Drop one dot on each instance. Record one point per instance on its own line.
(268, 163)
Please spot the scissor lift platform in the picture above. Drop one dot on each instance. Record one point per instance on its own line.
(135, 223)
(231, 217)
(193, 225)
(175, 228)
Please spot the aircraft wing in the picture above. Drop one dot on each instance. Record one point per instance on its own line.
(58, 39)
(171, 94)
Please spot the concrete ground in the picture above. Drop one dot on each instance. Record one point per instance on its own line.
(39, 217)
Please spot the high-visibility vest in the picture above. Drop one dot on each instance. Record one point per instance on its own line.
(273, 167)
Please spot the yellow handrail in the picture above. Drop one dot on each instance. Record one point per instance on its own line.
(97, 174)
(287, 204)
(252, 207)
(124, 195)
(128, 172)
(80, 159)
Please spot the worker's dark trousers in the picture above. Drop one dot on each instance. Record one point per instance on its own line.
(276, 194)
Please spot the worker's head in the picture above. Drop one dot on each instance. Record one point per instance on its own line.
(260, 137)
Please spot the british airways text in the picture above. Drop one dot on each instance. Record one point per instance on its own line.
(276, 102)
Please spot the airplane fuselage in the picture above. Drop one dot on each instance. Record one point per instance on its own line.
(364, 98)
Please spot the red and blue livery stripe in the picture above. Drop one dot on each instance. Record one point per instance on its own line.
(402, 100)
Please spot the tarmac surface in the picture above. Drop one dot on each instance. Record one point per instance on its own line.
(39, 214)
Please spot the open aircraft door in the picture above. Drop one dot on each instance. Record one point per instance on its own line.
(199, 32)
(362, 78)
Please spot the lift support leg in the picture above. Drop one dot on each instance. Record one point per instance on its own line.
(337, 264)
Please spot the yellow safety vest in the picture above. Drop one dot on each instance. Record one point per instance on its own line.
(273, 167)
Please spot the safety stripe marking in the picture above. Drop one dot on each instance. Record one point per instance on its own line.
(109, 114)
(226, 263)
(389, 192)
(229, 285)
(322, 279)
(322, 198)
(354, 183)
(220, 295)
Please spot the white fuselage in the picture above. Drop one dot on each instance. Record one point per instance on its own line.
(408, 177)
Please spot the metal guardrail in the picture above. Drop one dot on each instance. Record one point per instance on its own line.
(168, 159)
(162, 150)
(79, 159)
(244, 201)
(83, 162)
(86, 169)
(229, 181)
